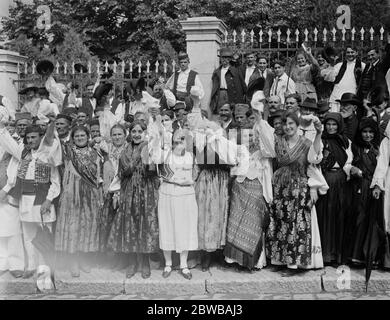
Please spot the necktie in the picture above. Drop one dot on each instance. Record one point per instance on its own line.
(276, 87)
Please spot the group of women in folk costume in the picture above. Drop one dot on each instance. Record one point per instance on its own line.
(253, 200)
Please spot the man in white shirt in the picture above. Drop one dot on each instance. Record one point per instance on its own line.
(253, 79)
(181, 81)
(267, 74)
(33, 183)
(282, 85)
(345, 76)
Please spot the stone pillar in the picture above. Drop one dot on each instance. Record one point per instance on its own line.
(9, 73)
(204, 38)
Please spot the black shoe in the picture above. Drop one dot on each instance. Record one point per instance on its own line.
(145, 267)
(186, 275)
(17, 273)
(28, 274)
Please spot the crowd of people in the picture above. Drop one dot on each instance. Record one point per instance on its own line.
(288, 170)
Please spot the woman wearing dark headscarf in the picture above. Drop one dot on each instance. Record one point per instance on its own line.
(331, 207)
(365, 151)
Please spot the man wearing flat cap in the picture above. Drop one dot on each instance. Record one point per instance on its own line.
(228, 83)
(181, 81)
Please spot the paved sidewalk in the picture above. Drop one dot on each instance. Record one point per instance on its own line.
(217, 296)
(226, 282)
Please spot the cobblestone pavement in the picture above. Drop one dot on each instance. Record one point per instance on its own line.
(316, 296)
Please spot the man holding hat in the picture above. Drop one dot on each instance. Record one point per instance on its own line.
(181, 81)
(349, 104)
(228, 83)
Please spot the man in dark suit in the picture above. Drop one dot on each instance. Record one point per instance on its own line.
(228, 83)
(267, 74)
(251, 75)
(89, 102)
(378, 108)
(374, 74)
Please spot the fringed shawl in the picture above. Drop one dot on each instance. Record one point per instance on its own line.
(292, 162)
(129, 159)
(87, 162)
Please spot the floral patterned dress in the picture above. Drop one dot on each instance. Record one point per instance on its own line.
(135, 226)
(289, 232)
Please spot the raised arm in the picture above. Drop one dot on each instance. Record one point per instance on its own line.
(9, 144)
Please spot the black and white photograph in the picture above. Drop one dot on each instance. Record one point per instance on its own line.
(200, 153)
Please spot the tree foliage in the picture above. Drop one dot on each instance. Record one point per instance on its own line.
(123, 29)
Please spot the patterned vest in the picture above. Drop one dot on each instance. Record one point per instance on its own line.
(39, 186)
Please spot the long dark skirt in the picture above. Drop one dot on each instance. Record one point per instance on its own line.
(246, 223)
(108, 215)
(331, 212)
(135, 227)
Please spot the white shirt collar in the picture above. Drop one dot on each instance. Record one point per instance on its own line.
(283, 77)
(226, 124)
(187, 71)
